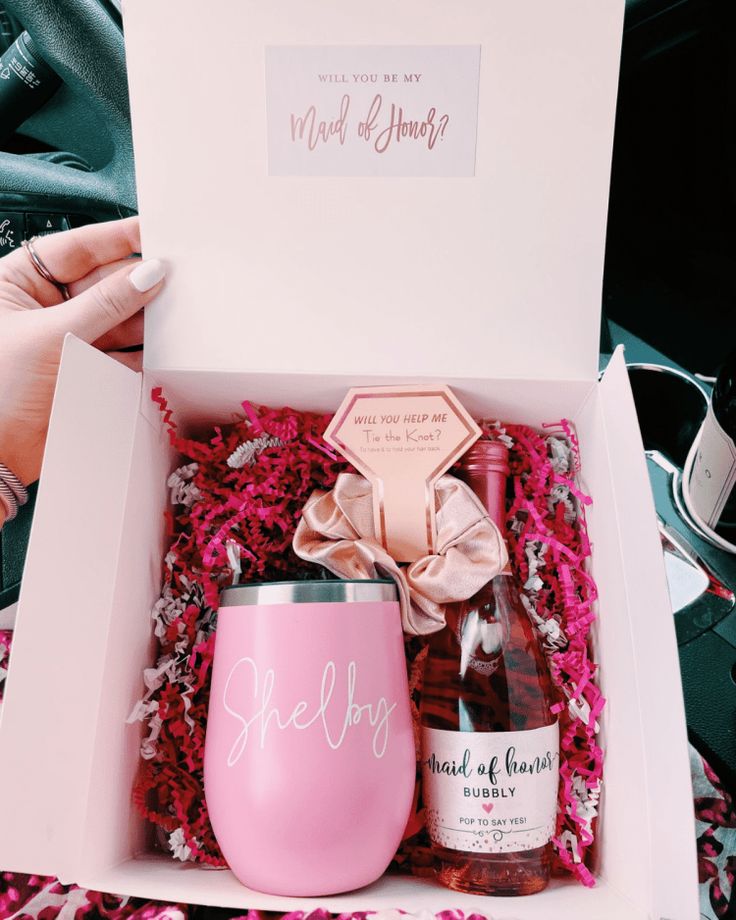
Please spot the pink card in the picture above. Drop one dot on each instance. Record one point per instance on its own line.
(402, 439)
(372, 110)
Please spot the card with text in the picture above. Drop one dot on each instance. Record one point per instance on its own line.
(372, 110)
(402, 439)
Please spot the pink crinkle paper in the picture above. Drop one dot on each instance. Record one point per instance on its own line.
(236, 498)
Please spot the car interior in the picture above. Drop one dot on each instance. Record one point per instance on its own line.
(72, 161)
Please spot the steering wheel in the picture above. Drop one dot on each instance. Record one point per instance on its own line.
(83, 43)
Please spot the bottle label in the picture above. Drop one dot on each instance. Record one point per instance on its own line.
(491, 792)
(714, 471)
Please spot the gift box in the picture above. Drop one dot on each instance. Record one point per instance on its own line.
(452, 232)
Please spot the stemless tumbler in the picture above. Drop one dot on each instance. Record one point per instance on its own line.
(310, 757)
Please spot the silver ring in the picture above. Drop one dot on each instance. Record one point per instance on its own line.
(9, 501)
(38, 264)
(12, 482)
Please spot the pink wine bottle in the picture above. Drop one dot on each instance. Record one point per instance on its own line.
(490, 758)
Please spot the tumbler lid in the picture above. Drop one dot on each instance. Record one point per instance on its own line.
(318, 591)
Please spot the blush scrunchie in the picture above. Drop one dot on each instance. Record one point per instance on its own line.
(336, 531)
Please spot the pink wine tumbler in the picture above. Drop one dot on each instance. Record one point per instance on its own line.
(309, 758)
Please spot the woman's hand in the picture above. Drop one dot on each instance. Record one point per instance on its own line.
(108, 291)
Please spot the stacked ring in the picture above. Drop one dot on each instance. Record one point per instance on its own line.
(40, 267)
(13, 494)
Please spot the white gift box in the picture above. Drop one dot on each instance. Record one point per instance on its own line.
(295, 274)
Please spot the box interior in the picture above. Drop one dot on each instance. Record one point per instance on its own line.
(111, 850)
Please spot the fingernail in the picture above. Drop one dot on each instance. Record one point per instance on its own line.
(147, 275)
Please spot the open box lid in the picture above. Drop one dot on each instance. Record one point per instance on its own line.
(473, 241)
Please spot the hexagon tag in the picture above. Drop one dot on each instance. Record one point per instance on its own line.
(402, 439)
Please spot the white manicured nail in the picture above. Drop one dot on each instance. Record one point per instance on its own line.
(147, 275)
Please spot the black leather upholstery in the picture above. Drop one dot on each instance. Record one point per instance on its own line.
(13, 546)
(85, 46)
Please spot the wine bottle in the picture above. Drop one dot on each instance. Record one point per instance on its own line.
(490, 743)
(713, 479)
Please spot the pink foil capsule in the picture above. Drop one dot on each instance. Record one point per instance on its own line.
(309, 757)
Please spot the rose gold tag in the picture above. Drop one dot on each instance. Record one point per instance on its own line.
(402, 439)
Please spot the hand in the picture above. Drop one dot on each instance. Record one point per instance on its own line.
(109, 290)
